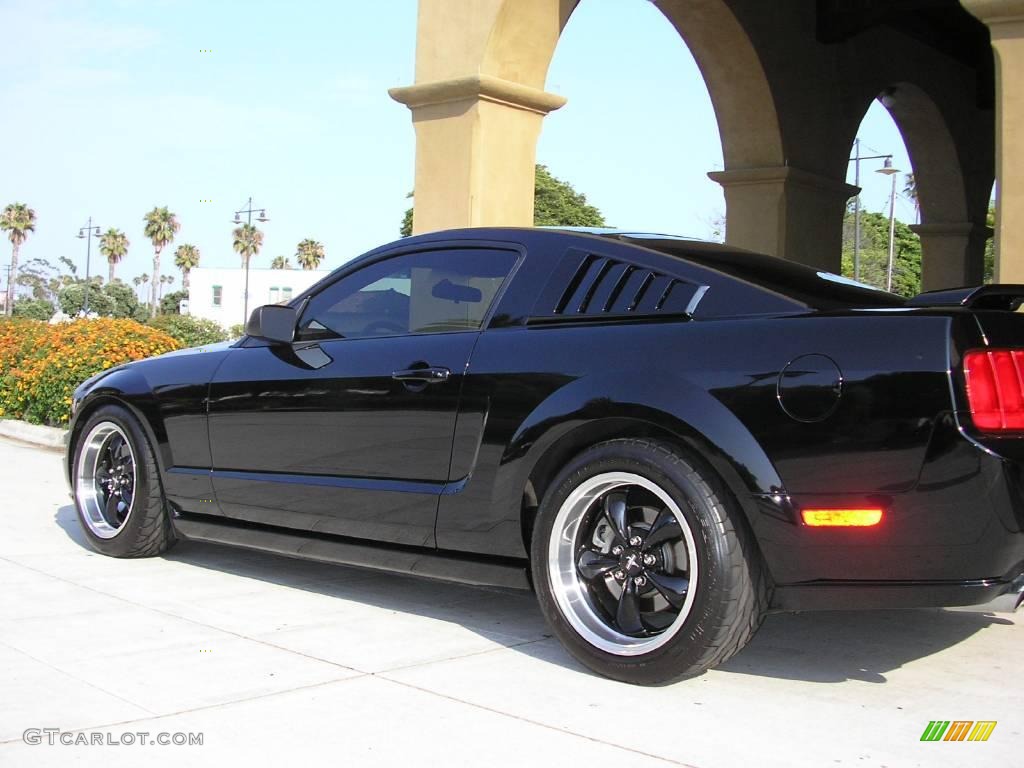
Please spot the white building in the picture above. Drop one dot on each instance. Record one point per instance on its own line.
(219, 294)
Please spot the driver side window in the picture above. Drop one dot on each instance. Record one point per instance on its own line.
(427, 292)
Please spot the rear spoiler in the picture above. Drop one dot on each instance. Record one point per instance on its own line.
(1007, 297)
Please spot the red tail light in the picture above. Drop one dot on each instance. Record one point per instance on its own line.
(995, 389)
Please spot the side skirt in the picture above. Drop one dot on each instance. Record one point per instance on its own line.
(433, 564)
(998, 594)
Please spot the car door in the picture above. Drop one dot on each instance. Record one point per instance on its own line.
(348, 430)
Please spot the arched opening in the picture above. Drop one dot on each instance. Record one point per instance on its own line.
(948, 245)
(525, 33)
(881, 166)
(639, 133)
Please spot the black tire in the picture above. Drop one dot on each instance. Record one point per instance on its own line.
(732, 593)
(145, 530)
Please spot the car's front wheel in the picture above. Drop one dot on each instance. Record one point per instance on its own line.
(116, 487)
(643, 566)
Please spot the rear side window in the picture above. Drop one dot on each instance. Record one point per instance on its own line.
(426, 292)
(590, 286)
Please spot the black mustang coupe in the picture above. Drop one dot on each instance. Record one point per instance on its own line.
(663, 438)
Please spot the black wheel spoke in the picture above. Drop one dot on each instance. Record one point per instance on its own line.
(627, 616)
(672, 588)
(593, 564)
(615, 511)
(665, 528)
(110, 511)
(114, 448)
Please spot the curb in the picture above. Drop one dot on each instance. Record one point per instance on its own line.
(34, 434)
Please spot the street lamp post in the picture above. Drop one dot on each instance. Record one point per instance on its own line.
(888, 170)
(87, 232)
(249, 211)
(856, 160)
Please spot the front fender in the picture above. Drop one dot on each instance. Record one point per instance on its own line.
(125, 387)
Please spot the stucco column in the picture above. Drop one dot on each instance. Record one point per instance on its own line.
(1005, 20)
(784, 211)
(952, 255)
(476, 146)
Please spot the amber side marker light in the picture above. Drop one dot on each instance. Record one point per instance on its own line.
(842, 518)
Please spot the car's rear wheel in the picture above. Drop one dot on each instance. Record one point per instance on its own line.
(643, 566)
(116, 487)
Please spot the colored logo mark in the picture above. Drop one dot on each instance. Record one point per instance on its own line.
(958, 730)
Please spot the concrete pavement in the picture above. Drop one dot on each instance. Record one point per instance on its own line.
(279, 661)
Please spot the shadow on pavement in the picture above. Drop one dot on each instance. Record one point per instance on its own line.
(819, 647)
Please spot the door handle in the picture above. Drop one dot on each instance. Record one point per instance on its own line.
(425, 375)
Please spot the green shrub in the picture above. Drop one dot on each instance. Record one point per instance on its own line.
(189, 331)
(41, 364)
(33, 309)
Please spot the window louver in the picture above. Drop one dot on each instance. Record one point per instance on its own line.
(589, 286)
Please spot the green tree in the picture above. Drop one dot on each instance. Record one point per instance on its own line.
(161, 226)
(280, 262)
(247, 242)
(555, 204)
(42, 278)
(72, 299)
(406, 227)
(17, 220)
(309, 254)
(114, 245)
(171, 303)
(126, 303)
(186, 258)
(874, 253)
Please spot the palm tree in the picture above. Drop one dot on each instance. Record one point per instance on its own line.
(280, 262)
(164, 280)
(114, 245)
(310, 253)
(186, 258)
(17, 220)
(910, 191)
(248, 241)
(161, 226)
(140, 280)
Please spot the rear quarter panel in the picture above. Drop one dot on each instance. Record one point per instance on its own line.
(717, 379)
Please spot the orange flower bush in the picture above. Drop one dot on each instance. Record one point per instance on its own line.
(41, 364)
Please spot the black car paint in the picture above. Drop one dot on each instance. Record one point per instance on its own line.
(247, 436)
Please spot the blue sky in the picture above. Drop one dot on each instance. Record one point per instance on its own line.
(112, 108)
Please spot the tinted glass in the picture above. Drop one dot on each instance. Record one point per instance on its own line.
(428, 292)
(818, 290)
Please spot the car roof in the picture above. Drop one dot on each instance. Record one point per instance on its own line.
(810, 287)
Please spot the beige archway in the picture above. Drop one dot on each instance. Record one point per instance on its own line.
(479, 102)
(952, 245)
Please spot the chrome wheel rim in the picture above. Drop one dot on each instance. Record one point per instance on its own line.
(622, 563)
(105, 480)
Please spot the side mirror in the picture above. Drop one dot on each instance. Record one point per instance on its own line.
(273, 322)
